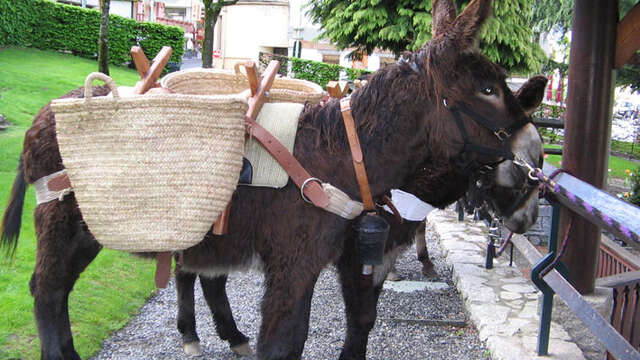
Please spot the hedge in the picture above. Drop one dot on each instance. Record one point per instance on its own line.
(321, 73)
(47, 25)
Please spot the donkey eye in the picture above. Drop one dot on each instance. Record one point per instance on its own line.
(489, 90)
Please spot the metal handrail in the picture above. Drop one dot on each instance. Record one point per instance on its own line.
(616, 212)
(615, 343)
(599, 208)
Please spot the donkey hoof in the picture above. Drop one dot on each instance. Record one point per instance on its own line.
(242, 349)
(192, 348)
(392, 276)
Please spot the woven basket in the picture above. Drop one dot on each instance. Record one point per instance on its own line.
(151, 172)
(215, 81)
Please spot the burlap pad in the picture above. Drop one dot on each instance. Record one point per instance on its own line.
(281, 120)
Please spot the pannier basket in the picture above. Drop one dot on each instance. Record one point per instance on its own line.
(151, 172)
(215, 81)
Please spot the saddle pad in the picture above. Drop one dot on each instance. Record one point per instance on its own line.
(281, 120)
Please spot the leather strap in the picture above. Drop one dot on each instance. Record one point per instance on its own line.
(313, 191)
(394, 209)
(221, 226)
(59, 183)
(356, 154)
(163, 269)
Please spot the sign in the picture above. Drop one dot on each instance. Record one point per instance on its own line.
(217, 54)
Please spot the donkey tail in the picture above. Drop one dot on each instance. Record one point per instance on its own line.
(12, 219)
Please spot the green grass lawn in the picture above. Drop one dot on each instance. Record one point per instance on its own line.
(618, 165)
(116, 284)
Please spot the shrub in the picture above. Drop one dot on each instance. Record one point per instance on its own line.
(317, 72)
(46, 25)
(321, 73)
(265, 59)
(634, 194)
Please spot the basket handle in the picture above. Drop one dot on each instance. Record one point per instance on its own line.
(88, 85)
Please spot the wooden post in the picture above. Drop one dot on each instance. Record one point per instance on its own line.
(588, 124)
(149, 73)
(337, 89)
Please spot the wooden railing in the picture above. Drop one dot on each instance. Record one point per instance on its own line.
(625, 316)
(614, 259)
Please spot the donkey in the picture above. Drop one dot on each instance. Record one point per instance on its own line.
(440, 188)
(447, 107)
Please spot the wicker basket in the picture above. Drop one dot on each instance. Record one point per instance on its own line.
(215, 81)
(150, 172)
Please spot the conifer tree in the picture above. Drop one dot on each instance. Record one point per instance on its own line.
(507, 39)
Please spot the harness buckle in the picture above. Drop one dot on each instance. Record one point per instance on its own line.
(502, 134)
(304, 184)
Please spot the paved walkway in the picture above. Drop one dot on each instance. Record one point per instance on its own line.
(191, 63)
(501, 302)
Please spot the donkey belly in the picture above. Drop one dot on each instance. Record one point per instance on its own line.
(269, 226)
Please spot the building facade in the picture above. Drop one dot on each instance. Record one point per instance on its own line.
(249, 27)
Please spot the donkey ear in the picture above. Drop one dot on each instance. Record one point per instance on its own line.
(443, 13)
(530, 94)
(470, 21)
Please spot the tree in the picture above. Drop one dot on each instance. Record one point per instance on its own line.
(212, 10)
(406, 25)
(556, 16)
(103, 37)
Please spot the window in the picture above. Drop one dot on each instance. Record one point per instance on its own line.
(176, 13)
(331, 59)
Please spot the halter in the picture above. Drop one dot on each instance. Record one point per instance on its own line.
(469, 166)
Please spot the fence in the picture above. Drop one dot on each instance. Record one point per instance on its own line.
(621, 333)
(614, 259)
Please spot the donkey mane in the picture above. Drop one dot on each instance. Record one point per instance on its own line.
(395, 97)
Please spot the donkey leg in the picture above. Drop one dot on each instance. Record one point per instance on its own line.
(360, 296)
(423, 253)
(185, 282)
(285, 313)
(65, 248)
(215, 293)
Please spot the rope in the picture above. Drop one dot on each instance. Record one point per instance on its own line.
(563, 248)
(506, 242)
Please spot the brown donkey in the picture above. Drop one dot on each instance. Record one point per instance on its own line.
(437, 186)
(446, 110)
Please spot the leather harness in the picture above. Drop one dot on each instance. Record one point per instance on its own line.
(356, 154)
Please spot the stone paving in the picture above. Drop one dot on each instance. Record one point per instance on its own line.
(501, 302)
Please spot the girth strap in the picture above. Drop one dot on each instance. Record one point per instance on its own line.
(356, 154)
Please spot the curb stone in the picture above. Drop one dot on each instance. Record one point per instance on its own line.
(501, 303)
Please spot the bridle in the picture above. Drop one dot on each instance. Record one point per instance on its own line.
(469, 165)
(465, 164)
(474, 168)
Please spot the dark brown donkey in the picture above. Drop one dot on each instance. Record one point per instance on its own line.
(449, 105)
(439, 186)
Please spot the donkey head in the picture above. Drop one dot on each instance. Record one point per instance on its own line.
(489, 132)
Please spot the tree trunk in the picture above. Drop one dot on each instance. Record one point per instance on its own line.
(212, 10)
(103, 38)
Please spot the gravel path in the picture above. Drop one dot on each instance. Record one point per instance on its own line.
(404, 329)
